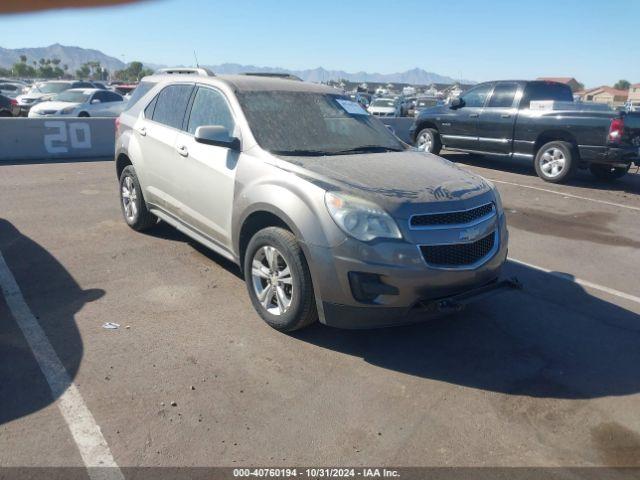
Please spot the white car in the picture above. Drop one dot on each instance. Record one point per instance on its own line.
(384, 107)
(81, 102)
(44, 91)
(12, 88)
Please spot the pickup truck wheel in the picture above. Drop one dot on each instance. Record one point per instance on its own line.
(134, 208)
(606, 172)
(279, 281)
(556, 161)
(428, 140)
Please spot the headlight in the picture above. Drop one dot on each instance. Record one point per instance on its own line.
(67, 110)
(359, 218)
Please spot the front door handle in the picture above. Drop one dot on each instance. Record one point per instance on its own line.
(505, 115)
(474, 115)
(182, 150)
(142, 131)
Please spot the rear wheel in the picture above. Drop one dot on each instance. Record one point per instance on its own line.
(606, 172)
(278, 280)
(556, 161)
(428, 140)
(134, 208)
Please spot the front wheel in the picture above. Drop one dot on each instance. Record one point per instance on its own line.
(278, 280)
(556, 161)
(428, 140)
(607, 172)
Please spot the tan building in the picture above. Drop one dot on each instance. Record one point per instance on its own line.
(606, 95)
(572, 82)
(634, 93)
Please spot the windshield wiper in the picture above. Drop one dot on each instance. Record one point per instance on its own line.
(367, 149)
(302, 153)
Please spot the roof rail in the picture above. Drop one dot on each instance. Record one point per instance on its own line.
(185, 71)
(285, 76)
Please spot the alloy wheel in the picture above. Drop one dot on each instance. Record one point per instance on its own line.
(129, 199)
(272, 280)
(552, 162)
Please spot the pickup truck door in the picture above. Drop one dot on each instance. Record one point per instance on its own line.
(460, 129)
(497, 119)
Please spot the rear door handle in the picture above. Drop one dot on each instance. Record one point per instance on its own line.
(182, 150)
(505, 115)
(142, 131)
(474, 115)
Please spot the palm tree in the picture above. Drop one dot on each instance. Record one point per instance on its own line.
(23, 58)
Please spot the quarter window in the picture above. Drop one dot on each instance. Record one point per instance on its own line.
(209, 108)
(503, 95)
(171, 105)
(476, 96)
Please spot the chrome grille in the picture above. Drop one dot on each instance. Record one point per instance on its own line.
(451, 218)
(459, 254)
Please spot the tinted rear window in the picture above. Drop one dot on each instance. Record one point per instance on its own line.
(546, 91)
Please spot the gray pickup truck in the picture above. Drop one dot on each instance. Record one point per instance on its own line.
(499, 118)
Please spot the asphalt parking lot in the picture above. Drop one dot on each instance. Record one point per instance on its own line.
(547, 376)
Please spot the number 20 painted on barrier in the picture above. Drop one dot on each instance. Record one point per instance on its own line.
(68, 134)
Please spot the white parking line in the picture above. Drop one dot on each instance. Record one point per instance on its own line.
(84, 429)
(613, 204)
(579, 281)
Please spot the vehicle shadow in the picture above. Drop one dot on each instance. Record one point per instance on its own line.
(552, 340)
(630, 183)
(53, 297)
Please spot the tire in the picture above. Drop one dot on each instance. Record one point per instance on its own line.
(433, 146)
(134, 208)
(556, 161)
(5, 113)
(298, 291)
(83, 114)
(608, 173)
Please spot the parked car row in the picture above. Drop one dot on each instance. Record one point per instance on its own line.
(65, 97)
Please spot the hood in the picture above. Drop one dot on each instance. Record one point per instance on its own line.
(53, 106)
(37, 96)
(397, 181)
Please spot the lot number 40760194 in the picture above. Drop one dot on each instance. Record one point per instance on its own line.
(66, 135)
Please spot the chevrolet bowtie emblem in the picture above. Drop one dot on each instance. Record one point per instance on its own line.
(469, 234)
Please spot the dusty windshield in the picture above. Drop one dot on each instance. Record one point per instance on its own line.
(304, 123)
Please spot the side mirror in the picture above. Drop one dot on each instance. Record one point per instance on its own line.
(217, 135)
(95, 101)
(456, 103)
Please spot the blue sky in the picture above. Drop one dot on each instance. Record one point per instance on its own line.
(595, 41)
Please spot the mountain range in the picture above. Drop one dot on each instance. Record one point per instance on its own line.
(74, 57)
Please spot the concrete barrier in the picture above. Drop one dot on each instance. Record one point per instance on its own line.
(59, 138)
(56, 138)
(400, 126)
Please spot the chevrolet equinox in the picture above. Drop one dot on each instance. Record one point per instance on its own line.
(327, 213)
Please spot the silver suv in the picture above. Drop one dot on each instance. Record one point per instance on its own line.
(328, 214)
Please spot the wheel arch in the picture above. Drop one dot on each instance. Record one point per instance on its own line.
(552, 136)
(262, 216)
(121, 162)
(422, 125)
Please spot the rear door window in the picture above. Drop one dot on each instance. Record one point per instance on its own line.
(171, 105)
(503, 95)
(139, 92)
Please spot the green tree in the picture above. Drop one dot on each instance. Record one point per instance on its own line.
(622, 85)
(23, 58)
